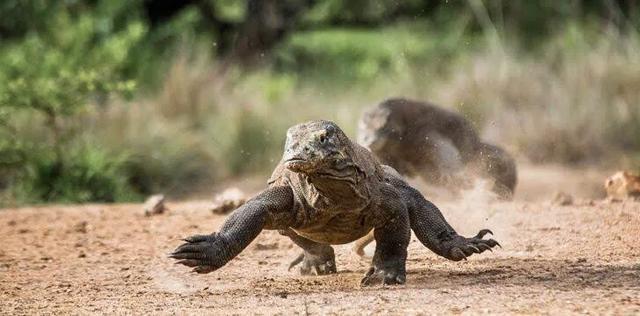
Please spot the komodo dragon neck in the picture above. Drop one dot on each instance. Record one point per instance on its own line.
(336, 202)
(344, 187)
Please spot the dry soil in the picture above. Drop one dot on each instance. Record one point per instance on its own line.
(581, 258)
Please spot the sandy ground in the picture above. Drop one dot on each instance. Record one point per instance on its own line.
(582, 258)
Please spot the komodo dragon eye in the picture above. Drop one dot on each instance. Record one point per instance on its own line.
(323, 139)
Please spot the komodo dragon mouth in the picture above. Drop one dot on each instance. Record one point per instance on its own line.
(310, 168)
(296, 164)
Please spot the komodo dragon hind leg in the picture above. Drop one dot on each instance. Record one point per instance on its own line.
(317, 258)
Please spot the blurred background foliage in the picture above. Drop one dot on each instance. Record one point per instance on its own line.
(111, 100)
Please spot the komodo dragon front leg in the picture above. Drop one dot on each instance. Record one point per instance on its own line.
(271, 209)
(430, 226)
(433, 231)
(392, 239)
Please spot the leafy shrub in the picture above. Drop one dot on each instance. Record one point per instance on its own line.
(86, 174)
(47, 78)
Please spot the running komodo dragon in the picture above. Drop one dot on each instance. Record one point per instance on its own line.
(328, 190)
(441, 146)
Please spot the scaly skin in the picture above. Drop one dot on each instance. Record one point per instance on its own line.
(325, 191)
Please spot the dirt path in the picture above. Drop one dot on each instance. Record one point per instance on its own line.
(583, 258)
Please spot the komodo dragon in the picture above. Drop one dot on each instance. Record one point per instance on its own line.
(421, 139)
(328, 190)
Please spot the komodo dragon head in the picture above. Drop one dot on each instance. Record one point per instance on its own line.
(379, 127)
(319, 148)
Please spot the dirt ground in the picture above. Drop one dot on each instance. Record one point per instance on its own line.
(581, 258)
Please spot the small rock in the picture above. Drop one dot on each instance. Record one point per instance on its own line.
(154, 205)
(228, 200)
(81, 227)
(82, 254)
(562, 198)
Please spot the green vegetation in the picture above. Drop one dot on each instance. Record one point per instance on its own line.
(47, 79)
(112, 100)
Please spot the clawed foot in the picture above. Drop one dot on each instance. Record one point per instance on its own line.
(203, 253)
(315, 264)
(460, 247)
(388, 276)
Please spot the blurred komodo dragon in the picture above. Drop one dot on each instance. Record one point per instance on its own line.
(421, 139)
(328, 190)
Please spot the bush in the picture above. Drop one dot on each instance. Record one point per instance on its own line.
(86, 174)
(47, 78)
